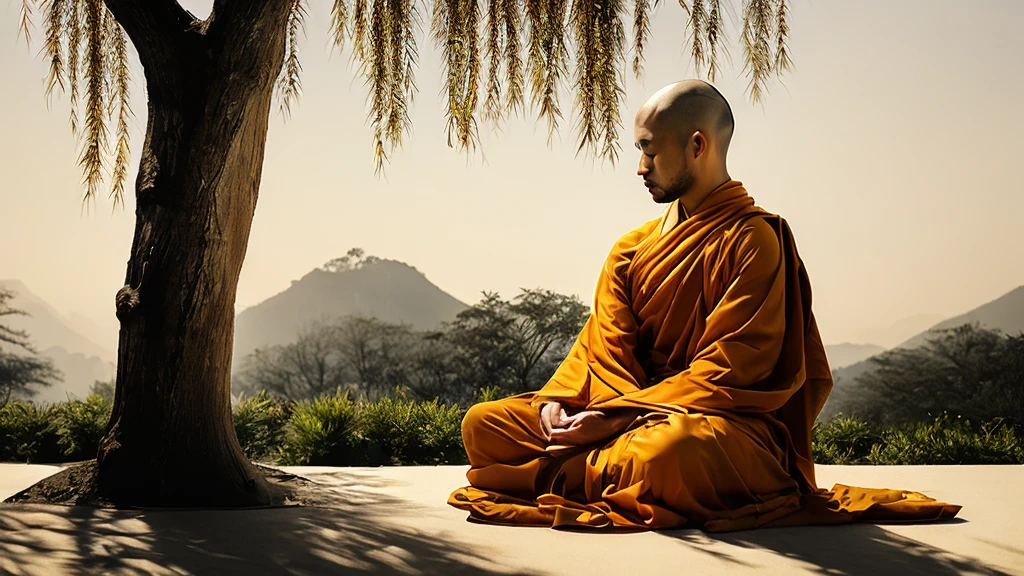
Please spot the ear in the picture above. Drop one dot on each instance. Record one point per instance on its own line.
(700, 143)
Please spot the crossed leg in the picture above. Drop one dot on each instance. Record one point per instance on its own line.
(665, 470)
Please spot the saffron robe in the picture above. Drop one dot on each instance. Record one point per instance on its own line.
(704, 329)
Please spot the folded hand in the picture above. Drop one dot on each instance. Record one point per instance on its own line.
(583, 427)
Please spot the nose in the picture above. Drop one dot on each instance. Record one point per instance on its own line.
(643, 168)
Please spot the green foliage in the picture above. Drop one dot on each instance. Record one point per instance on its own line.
(410, 432)
(843, 440)
(489, 394)
(260, 424)
(442, 434)
(949, 440)
(334, 430)
(944, 440)
(514, 346)
(80, 426)
(968, 371)
(20, 372)
(27, 434)
(321, 432)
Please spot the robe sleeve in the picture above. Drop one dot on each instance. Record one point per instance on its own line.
(601, 362)
(743, 336)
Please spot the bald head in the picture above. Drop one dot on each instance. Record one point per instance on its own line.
(689, 106)
(683, 133)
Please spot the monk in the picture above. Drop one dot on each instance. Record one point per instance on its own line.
(688, 397)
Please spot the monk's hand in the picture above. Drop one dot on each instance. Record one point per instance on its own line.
(552, 416)
(591, 426)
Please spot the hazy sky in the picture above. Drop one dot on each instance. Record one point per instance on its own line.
(892, 150)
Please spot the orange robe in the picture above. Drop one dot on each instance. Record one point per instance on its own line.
(707, 331)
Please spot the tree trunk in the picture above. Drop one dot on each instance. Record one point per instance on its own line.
(171, 441)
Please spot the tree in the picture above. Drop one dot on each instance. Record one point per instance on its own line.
(104, 389)
(435, 370)
(376, 353)
(210, 85)
(19, 372)
(306, 368)
(502, 343)
(350, 261)
(967, 371)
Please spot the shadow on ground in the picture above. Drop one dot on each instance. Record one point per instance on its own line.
(341, 538)
(853, 549)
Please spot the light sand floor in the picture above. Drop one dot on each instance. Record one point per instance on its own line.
(395, 520)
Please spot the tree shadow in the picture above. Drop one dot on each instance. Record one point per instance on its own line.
(357, 531)
(858, 548)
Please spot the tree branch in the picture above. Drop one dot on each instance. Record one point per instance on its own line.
(246, 22)
(155, 27)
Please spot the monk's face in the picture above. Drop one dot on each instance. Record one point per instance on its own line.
(664, 167)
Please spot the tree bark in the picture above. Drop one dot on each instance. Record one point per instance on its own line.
(171, 441)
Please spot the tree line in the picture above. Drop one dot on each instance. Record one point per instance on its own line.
(502, 347)
(969, 371)
(496, 347)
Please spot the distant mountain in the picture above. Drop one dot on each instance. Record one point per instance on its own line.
(389, 290)
(48, 328)
(844, 354)
(79, 372)
(1005, 313)
(105, 335)
(899, 331)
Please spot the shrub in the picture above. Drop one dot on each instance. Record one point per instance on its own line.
(321, 432)
(489, 393)
(80, 426)
(260, 424)
(390, 427)
(843, 440)
(27, 434)
(409, 432)
(442, 434)
(949, 440)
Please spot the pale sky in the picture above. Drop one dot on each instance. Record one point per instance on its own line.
(891, 149)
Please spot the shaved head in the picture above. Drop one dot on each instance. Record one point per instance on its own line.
(683, 133)
(689, 106)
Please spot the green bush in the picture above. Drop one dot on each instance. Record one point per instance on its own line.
(27, 434)
(489, 393)
(321, 432)
(409, 432)
(334, 430)
(949, 440)
(389, 426)
(442, 434)
(843, 440)
(80, 426)
(261, 424)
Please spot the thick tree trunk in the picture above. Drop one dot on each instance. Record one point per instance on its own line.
(171, 441)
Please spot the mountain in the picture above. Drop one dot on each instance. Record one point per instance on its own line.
(105, 335)
(389, 290)
(892, 335)
(844, 354)
(79, 372)
(48, 328)
(1005, 313)
(80, 360)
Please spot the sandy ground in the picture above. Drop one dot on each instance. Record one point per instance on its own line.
(396, 521)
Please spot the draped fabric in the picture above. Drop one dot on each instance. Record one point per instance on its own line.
(706, 332)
